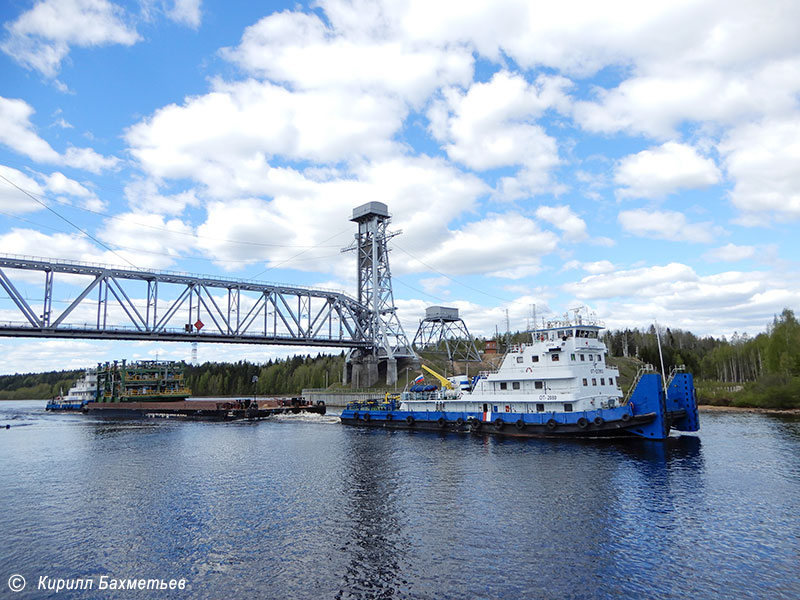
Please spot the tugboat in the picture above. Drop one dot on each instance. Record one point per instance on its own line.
(84, 390)
(559, 385)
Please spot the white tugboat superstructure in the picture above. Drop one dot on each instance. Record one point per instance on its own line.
(558, 384)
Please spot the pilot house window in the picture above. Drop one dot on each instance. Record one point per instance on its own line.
(534, 358)
(538, 385)
(503, 385)
(555, 358)
(515, 385)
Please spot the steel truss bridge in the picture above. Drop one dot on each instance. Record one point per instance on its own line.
(105, 302)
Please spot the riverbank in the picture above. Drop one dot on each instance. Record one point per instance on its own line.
(747, 409)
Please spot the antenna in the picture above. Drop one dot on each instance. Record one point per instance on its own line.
(661, 358)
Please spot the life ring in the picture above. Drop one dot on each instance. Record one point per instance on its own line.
(508, 408)
(626, 417)
(598, 420)
(320, 403)
(520, 424)
(410, 419)
(528, 370)
(442, 422)
(498, 424)
(459, 421)
(583, 422)
(631, 405)
(366, 417)
(551, 424)
(355, 416)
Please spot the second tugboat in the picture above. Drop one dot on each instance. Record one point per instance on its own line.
(558, 385)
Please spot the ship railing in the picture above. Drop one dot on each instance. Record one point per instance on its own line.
(644, 369)
(675, 370)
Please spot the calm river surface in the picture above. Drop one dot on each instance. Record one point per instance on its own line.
(303, 507)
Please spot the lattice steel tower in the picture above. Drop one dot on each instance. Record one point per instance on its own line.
(442, 330)
(375, 292)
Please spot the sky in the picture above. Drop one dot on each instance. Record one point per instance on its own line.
(641, 160)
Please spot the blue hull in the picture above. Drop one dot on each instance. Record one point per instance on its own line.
(650, 414)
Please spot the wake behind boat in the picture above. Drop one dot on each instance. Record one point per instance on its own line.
(558, 385)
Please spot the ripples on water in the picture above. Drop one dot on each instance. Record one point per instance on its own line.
(302, 507)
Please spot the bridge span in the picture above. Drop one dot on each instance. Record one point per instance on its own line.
(52, 298)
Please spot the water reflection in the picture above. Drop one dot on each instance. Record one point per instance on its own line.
(374, 542)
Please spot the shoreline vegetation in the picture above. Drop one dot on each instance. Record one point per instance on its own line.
(761, 372)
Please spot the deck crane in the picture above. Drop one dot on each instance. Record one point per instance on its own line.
(446, 383)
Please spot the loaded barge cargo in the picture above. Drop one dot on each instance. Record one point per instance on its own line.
(156, 389)
(222, 410)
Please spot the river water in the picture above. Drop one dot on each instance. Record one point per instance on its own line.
(304, 507)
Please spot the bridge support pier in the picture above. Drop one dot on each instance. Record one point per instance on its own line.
(367, 371)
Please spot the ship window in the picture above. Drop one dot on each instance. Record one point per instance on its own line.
(594, 381)
(568, 408)
(585, 382)
(520, 359)
(583, 357)
(602, 381)
(555, 357)
(538, 385)
(540, 408)
(503, 385)
(572, 357)
(535, 358)
(515, 385)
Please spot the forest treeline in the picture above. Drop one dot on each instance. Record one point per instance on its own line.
(746, 371)
(279, 377)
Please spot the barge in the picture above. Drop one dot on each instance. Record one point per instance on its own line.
(156, 389)
(559, 385)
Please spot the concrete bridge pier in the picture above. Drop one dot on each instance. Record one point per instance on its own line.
(367, 370)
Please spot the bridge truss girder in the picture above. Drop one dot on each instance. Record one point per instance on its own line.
(176, 307)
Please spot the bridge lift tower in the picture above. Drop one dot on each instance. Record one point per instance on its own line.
(442, 330)
(364, 367)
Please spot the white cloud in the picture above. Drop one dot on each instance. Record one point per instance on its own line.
(17, 132)
(146, 240)
(41, 37)
(563, 218)
(762, 159)
(143, 196)
(632, 282)
(11, 199)
(58, 245)
(186, 12)
(730, 253)
(493, 125)
(300, 50)
(677, 296)
(661, 171)
(666, 225)
(226, 138)
(507, 245)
